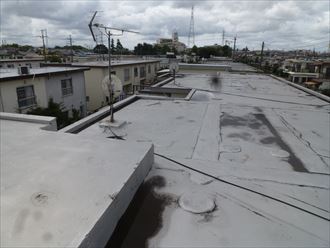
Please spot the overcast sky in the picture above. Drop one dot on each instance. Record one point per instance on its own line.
(282, 24)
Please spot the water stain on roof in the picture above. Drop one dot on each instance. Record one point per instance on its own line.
(143, 218)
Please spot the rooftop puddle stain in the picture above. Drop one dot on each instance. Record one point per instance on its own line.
(257, 122)
(143, 218)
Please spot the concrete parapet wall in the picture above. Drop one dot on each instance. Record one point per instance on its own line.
(50, 122)
(312, 92)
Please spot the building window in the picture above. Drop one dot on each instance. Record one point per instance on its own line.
(149, 69)
(87, 98)
(136, 73)
(126, 74)
(142, 72)
(10, 65)
(25, 96)
(66, 85)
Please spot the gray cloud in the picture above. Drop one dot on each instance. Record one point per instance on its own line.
(281, 24)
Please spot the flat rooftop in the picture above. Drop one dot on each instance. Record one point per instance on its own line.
(12, 74)
(63, 190)
(216, 66)
(21, 60)
(113, 63)
(245, 162)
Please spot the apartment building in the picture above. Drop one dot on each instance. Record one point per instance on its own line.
(23, 89)
(134, 75)
(15, 63)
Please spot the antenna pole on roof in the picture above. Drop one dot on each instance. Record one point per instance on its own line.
(109, 69)
(108, 33)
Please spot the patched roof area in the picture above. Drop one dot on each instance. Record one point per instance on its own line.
(244, 162)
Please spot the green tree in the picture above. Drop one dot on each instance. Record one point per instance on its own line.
(101, 49)
(57, 110)
(226, 51)
(54, 58)
(119, 47)
(194, 49)
(112, 46)
(25, 48)
(144, 49)
(165, 49)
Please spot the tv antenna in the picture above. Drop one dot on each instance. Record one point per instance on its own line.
(108, 32)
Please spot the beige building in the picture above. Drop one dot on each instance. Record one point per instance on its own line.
(20, 93)
(15, 63)
(133, 75)
(172, 43)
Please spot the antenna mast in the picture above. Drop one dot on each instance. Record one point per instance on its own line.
(191, 28)
(107, 32)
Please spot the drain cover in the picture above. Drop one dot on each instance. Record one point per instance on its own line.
(196, 202)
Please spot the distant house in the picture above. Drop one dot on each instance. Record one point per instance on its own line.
(24, 89)
(325, 70)
(301, 71)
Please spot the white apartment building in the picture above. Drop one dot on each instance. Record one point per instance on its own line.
(20, 93)
(133, 75)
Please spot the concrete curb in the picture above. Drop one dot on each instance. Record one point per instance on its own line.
(166, 81)
(91, 119)
(49, 122)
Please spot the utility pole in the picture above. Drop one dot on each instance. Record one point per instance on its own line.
(46, 39)
(102, 44)
(246, 50)
(223, 37)
(262, 53)
(191, 28)
(234, 47)
(71, 53)
(109, 69)
(43, 36)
